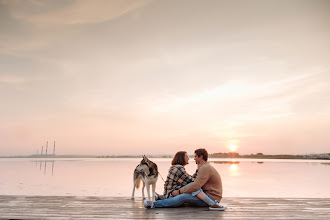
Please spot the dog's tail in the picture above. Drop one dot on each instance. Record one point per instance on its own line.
(138, 183)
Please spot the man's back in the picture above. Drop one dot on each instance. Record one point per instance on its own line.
(213, 186)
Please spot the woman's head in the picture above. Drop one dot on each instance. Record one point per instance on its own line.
(181, 158)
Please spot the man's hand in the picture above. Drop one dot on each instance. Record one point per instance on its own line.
(175, 193)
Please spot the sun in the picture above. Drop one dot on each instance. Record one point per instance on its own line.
(233, 147)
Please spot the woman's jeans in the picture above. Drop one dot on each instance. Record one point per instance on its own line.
(179, 200)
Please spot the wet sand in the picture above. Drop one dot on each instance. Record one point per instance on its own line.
(73, 207)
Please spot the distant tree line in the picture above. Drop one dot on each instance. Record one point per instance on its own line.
(258, 155)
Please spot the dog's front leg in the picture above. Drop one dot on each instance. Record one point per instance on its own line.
(153, 191)
(148, 191)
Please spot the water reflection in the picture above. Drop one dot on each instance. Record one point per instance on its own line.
(45, 162)
(113, 177)
(225, 162)
(234, 170)
(317, 164)
(233, 167)
(326, 164)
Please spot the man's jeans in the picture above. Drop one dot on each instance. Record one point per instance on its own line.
(180, 200)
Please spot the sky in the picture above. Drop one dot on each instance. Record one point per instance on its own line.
(118, 77)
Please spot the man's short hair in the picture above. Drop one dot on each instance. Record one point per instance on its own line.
(202, 151)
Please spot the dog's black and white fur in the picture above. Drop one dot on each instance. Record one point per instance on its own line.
(147, 171)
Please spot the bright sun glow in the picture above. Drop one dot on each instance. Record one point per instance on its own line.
(233, 147)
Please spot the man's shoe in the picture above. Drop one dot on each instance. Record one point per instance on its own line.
(217, 207)
(149, 204)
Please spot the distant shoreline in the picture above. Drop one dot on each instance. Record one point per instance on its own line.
(216, 155)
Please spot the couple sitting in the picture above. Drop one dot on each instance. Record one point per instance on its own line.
(204, 188)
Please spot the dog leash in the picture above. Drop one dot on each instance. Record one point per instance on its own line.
(161, 177)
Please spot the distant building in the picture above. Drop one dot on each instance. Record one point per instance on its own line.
(318, 156)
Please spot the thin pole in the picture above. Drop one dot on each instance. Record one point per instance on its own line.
(53, 168)
(46, 148)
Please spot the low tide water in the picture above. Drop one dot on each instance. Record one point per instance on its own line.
(114, 177)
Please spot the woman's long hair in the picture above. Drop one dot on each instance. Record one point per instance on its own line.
(179, 158)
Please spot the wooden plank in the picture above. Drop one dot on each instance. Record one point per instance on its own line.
(70, 207)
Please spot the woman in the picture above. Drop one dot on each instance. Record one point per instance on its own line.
(177, 175)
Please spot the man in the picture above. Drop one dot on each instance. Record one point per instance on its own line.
(207, 178)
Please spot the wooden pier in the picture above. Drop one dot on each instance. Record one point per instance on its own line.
(71, 207)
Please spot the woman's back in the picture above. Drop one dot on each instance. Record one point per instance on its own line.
(177, 177)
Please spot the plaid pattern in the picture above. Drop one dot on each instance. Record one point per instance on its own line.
(177, 177)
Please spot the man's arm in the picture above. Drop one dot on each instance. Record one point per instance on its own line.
(202, 177)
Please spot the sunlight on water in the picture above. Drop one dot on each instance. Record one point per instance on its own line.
(114, 177)
(233, 168)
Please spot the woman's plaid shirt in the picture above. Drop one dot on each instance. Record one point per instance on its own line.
(177, 177)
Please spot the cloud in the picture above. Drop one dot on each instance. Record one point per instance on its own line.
(14, 80)
(78, 13)
(274, 92)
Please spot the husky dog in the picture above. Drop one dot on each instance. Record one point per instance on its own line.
(146, 171)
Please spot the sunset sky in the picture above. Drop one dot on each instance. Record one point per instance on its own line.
(108, 77)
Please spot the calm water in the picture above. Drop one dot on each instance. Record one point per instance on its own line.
(113, 177)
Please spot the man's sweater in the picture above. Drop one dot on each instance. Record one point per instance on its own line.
(209, 180)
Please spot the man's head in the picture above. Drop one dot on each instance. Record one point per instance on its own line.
(201, 154)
